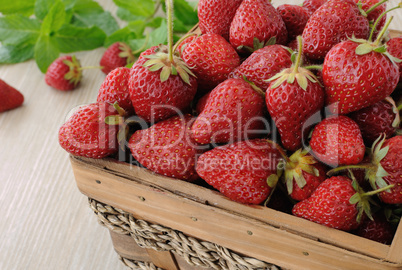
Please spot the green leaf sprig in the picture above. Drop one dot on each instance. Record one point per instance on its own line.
(44, 29)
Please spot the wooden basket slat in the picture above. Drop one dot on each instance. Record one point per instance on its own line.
(216, 219)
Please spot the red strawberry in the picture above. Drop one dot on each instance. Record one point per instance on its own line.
(215, 16)
(333, 22)
(233, 111)
(86, 133)
(167, 148)
(263, 64)
(240, 170)
(211, 58)
(381, 117)
(394, 47)
(365, 78)
(337, 140)
(313, 5)
(335, 203)
(295, 18)
(379, 229)
(153, 98)
(249, 26)
(303, 174)
(10, 98)
(292, 98)
(115, 89)
(119, 54)
(161, 84)
(64, 73)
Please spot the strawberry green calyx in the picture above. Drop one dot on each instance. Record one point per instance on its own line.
(363, 200)
(74, 75)
(165, 59)
(119, 120)
(395, 109)
(298, 162)
(257, 44)
(302, 75)
(376, 172)
(126, 52)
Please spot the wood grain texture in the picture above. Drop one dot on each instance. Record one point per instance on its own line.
(46, 222)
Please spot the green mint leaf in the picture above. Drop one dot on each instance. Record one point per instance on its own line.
(11, 54)
(125, 15)
(23, 7)
(155, 22)
(144, 8)
(54, 19)
(134, 30)
(156, 37)
(185, 13)
(85, 6)
(71, 38)
(42, 8)
(46, 52)
(104, 20)
(16, 29)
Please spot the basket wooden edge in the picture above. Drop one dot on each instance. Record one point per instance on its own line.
(335, 238)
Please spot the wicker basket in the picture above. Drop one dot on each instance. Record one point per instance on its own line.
(158, 222)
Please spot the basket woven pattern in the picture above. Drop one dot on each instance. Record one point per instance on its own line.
(195, 252)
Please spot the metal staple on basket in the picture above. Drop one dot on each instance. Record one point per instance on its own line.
(195, 252)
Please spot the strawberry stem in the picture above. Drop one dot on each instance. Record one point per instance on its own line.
(299, 54)
(343, 168)
(169, 10)
(375, 6)
(381, 34)
(182, 39)
(281, 151)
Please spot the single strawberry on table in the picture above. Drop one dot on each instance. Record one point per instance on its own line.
(167, 148)
(115, 89)
(119, 54)
(87, 134)
(10, 98)
(263, 64)
(215, 16)
(211, 58)
(250, 30)
(241, 171)
(161, 85)
(292, 98)
(233, 111)
(331, 23)
(64, 73)
(337, 140)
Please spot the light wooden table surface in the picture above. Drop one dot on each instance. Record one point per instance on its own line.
(45, 221)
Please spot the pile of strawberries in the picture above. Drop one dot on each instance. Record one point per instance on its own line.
(293, 107)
